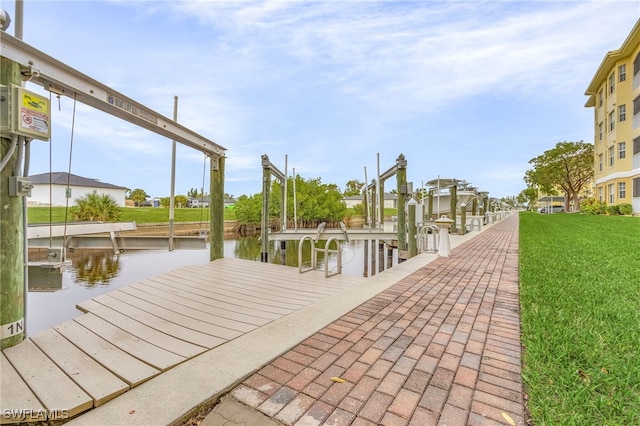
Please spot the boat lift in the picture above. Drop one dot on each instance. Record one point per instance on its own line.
(54, 76)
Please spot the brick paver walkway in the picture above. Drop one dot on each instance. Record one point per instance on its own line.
(439, 347)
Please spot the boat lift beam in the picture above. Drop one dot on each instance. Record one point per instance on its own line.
(39, 68)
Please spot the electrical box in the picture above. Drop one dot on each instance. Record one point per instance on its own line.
(20, 186)
(24, 113)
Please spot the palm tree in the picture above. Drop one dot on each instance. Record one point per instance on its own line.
(94, 207)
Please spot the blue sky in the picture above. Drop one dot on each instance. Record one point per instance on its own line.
(468, 90)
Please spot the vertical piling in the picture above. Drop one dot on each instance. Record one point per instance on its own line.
(266, 194)
(413, 246)
(12, 282)
(401, 179)
(216, 206)
(453, 207)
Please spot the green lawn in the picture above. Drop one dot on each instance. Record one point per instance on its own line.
(137, 214)
(580, 311)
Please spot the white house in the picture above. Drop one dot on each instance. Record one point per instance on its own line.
(54, 189)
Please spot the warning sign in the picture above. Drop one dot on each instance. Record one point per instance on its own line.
(33, 115)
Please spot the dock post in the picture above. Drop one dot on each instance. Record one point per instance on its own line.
(413, 248)
(463, 219)
(266, 193)
(401, 180)
(453, 208)
(12, 265)
(216, 207)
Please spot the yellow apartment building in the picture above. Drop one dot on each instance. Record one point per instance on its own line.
(614, 94)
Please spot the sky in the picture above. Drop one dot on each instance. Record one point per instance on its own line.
(470, 90)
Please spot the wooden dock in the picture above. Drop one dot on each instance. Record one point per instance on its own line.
(135, 333)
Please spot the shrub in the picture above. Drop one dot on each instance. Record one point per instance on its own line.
(613, 210)
(625, 208)
(95, 207)
(593, 206)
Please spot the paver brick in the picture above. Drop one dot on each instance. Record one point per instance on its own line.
(423, 417)
(379, 369)
(433, 398)
(340, 417)
(453, 416)
(375, 407)
(302, 379)
(295, 409)
(417, 381)
(404, 403)
(460, 396)
(391, 419)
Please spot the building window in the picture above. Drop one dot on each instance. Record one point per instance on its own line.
(636, 65)
(636, 106)
(601, 161)
(600, 100)
(611, 194)
(622, 112)
(600, 131)
(612, 83)
(636, 146)
(636, 187)
(612, 156)
(622, 72)
(622, 190)
(622, 150)
(67, 192)
(612, 121)
(601, 194)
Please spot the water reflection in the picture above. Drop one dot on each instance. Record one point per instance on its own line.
(96, 268)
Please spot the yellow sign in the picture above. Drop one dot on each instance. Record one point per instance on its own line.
(33, 115)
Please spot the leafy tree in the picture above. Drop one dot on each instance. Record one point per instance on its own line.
(248, 209)
(138, 196)
(568, 166)
(193, 193)
(179, 201)
(316, 202)
(94, 207)
(529, 197)
(353, 187)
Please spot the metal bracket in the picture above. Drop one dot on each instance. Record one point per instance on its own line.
(19, 186)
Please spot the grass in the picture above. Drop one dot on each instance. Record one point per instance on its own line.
(138, 214)
(580, 312)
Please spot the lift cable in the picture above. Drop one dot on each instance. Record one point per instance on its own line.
(68, 190)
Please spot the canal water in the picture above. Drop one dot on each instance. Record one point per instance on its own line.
(96, 272)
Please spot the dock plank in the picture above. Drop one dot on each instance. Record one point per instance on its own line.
(262, 289)
(60, 395)
(93, 378)
(206, 304)
(178, 318)
(156, 357)
(143, 331)
(238, 303)
(17, 402)
(222, 327)
(202, 283)
(126, 367)
(167, 323)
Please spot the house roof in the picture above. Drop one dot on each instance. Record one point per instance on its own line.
(63, 178)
